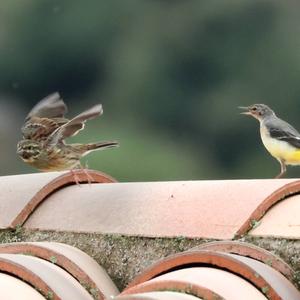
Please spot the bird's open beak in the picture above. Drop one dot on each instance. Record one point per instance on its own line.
(246, 110)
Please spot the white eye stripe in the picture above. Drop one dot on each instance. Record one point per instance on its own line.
(32, 151)
(34, 125)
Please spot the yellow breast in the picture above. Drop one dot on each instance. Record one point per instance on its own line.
(281, 150)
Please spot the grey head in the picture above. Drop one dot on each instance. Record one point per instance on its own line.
(258, 111)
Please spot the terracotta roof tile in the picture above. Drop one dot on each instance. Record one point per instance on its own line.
(46, 277)
(197, 209)
(17, 191)
(205, 274)
(252, 251)
(206, 209)
(198, 281)
(21, 194)
(287, 189)
(282, 220)
(15, 289)
(259, 274)
(81, 266)
(280, 287)
(157, 296)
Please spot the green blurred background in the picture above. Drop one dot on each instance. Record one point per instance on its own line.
(169, 73)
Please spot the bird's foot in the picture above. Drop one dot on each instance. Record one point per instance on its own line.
(279, 175)
(75, 177)
(89, 177)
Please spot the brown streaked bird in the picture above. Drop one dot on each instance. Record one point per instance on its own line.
(280, 138)
(44, 133)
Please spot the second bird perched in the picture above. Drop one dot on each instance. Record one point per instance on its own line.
(45, 130)
(280, 138)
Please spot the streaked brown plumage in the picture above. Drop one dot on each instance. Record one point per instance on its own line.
(45, 117)
(45, 130)
(58, 157)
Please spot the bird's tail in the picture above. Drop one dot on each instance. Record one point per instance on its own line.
(84, 149)
(101, 145)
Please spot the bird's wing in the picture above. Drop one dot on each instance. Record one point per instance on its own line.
(283, 131)
(73, 126)
(40, 128)
(51, 106)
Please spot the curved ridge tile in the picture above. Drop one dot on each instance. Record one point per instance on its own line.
(13, 288)
(121, 208)
(282, 287)
(183, 286)
(259, 274)
(286, 190)
(282, 220)
(158, 296)
(252, 251)
(17, 191)
(77, 263)
(55, 183)
(52, 281)
(217, 284)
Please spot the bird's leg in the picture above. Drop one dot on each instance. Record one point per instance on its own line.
(283, 169)
(89, 177)
(76, 178)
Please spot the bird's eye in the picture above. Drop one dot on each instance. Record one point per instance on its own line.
(254, 108)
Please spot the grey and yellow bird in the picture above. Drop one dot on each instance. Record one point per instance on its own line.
(280, 138)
